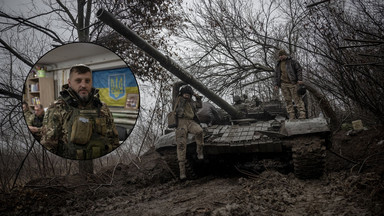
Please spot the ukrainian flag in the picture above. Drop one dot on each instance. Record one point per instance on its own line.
(114, 85)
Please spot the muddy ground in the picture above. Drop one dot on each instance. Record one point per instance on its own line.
(352, 185)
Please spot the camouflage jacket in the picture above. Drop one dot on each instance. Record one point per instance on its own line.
(188, 108)
(36, 121)
(27, 114)
(79, 131)
(294, 71)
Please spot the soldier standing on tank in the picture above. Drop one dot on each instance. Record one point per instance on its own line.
(35, 121)
(186, 109)
(289, 76)
(78, 125)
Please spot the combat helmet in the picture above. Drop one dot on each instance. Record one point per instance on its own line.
(186, 90)
(237, 99)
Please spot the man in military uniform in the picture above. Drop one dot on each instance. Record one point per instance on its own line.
(208, 114)
(186, 109)
(78, 125)
(26, 111)
(289, 76)
(35, 121)
(239, 105)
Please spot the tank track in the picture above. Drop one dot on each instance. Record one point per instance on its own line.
(170, 157)
(308, 154)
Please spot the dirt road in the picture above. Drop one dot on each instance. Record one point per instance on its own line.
(270, 194)
(148, 188)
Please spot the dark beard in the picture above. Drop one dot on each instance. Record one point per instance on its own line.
(84, 99)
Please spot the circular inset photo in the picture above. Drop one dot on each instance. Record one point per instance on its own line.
(81, 101)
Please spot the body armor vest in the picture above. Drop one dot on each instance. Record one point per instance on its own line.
(87, 131)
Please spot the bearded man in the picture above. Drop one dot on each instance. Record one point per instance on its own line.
(78, 125)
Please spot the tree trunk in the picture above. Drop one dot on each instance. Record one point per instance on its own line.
(324, 105)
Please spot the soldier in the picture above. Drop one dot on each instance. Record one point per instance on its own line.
(78, 125)
(208, 114)
(239, 105)
(288, 76)
(186, 109)
(26, 111)
(35, 121)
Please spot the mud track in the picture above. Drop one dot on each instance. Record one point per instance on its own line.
(148, 188)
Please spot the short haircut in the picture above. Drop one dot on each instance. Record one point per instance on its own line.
(39, 106)
(25, 103)
(80, 69)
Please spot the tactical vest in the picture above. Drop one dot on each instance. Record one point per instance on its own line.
(87, 131)
(38, 121)
(186, 108)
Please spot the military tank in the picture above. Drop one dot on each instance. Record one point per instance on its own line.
(262, 133)
(256, 131)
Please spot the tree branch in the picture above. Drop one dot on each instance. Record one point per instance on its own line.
(26, 22)
(14, 52)
(317, 3)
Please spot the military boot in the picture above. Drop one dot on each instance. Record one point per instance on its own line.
(199, 150)
(182, 170)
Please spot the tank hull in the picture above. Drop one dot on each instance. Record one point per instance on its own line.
(301, 141)
(258, 137)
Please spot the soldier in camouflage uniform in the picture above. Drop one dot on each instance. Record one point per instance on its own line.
(26, 111)
(35, 121)
(288, 76)
(186, 109)
(208, 114)
(239, 105)
(78, 125)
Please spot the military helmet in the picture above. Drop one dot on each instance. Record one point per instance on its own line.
(186, 90)
(301, 90)
(236, 98)
(282, 52)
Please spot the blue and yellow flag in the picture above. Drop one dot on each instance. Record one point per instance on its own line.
(114, 85)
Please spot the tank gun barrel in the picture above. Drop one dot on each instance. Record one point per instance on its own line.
(165, 61)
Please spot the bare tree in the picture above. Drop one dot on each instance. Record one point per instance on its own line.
(155, 21)
(26, 37)
(338, 43)
(347, 42)
(231, 51)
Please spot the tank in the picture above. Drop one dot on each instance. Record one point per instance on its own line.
(247, 131)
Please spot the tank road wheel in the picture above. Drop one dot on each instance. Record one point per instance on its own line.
(170, 157)
(308, 155)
